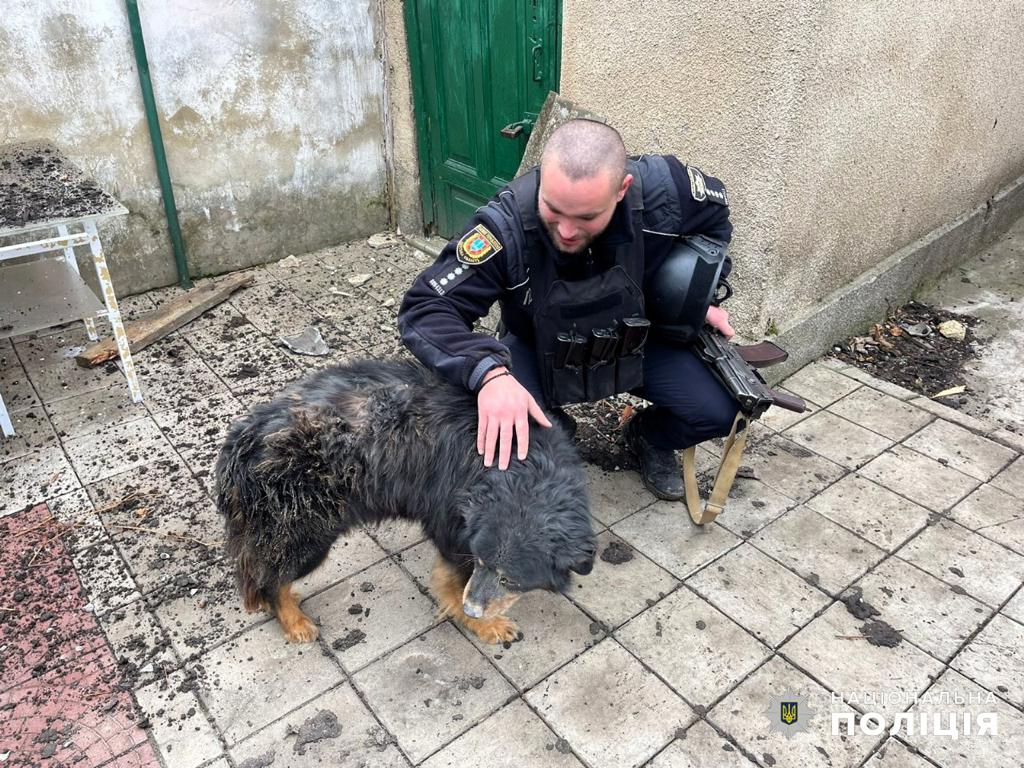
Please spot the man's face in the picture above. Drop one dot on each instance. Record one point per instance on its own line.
(576, 212)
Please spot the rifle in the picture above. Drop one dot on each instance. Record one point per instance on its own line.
(736, 367)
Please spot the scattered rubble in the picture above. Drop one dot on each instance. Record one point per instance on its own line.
(918, 347)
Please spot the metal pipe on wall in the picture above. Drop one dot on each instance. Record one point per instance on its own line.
(162, 172)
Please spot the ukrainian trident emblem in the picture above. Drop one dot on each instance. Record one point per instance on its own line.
(789, 711)
(788, 714)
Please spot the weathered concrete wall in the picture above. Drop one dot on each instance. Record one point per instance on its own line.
(844, 131)
(271, 113)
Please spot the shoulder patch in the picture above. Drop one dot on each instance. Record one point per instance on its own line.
(698, 187)
(477, 246)
(706, 187)
(448, 276)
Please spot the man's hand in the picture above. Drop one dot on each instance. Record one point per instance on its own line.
(718, 319)
(503, 409)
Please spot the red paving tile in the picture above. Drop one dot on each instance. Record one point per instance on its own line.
(42, 618)
(61, 704)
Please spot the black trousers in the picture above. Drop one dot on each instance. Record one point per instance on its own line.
(689, 406)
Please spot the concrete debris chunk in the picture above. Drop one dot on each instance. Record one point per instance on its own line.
(382, 239)
(309, 342)
(359, 279)
(953, 329)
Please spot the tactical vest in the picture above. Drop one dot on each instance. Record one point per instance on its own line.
(589, 333)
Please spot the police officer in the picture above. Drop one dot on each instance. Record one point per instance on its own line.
(568, 249)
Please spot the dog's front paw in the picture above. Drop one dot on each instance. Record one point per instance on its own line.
(301, 630)
(500, 629)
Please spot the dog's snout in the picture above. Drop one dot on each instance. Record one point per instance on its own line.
(472, 610)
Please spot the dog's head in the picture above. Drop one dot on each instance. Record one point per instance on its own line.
(529, 528)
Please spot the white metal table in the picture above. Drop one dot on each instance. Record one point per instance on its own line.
(48, 206)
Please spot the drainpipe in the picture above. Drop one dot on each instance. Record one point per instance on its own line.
(156, 138)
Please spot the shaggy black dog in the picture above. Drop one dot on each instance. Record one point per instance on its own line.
(372, 441)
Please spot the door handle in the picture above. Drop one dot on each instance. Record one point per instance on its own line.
(519, 128)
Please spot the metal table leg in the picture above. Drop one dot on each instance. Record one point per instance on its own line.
(69, 257)
(107, 288)
(5, 419)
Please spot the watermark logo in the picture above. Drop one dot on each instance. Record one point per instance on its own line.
(788, 714)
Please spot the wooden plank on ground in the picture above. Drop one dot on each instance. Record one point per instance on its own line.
(156, 324)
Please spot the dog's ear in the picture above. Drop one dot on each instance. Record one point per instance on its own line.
(585, 563)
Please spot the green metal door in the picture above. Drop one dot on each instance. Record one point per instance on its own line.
(481, 70)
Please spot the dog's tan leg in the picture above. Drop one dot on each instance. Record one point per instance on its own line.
(297, 626)
(448, 587)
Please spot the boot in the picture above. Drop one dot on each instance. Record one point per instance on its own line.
(658, 466)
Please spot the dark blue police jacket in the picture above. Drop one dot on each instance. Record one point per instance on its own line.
(489, 262)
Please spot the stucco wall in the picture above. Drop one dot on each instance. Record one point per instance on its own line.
(271, 113)
(844, 131)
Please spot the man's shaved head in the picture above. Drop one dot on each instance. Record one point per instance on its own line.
(585, 148)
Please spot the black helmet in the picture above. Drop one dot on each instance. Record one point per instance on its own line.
(682, 289)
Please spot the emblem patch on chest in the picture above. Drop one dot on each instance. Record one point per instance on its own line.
(477, 246)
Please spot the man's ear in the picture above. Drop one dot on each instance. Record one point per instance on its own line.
(627, 182)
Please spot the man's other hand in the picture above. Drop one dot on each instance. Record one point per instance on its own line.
(503, 409)
(718, 319)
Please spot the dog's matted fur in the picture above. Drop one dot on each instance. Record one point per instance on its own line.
(371, 441)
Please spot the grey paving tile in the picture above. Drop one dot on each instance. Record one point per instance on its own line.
(759, 594)
(117, 448)
(994, 514)
(665, 533)
(610, 709)
(886, 387)
(881, 413)
(274, 309)
(368, 615)
(1011, 479)
(749, 713)
(693, 646)
(35, 477)
(960, 449)
(834, 650)
(139, 643)
(751, 506)
(105, 577)
(791, 469)
(990, 572)
(203, 609)
(181, 731)
(15, 387)
(32, 431)
(350, 554)
(173, 375)
(780, 419)
(622, 584)
(335, 729)
(50, 364)
(83, 526)
(419, 561)
(395, 535)
(952, 414)
(553, 632)
(249, 681)
(202, 418)
(838, 439)
(615, 495)
(967, 749)
(993, 659)
(871, 511)
(1015, 607)
(818, 384)
(258, 373)
(220, 330)
(920, 478)
(161, 520)
(699, 747)
(817, 549)
(510, 738)
(893, 754)
(90, 412)
(928, 612)
(431, 690)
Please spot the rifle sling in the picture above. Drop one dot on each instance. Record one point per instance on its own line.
(727, 468)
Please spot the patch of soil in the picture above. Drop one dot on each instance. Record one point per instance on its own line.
(599, 434)
(881, 633)
(907, 349)
(617, 552)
